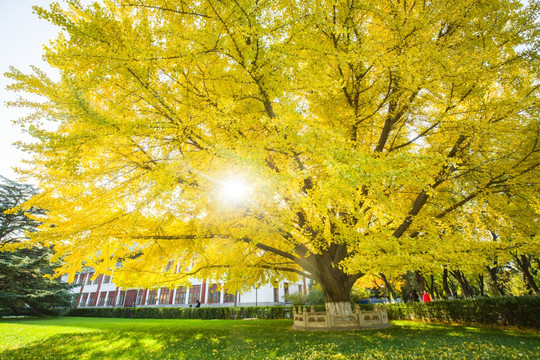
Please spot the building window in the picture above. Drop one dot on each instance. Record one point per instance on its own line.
(81, 279)
(76, 279)
(300, 289)
(180, 295)
(102, 296)
(84, 299)
(213, 294)
(164, 295)
(276, 294)
(131, 298)
(97, 279)
(140, 296)
(194, 294)
(152, 297)
(92, 299)
(121, 298)
(285, 289)
(229, 297)
(110, 298)
(106, 279)
(89, 279)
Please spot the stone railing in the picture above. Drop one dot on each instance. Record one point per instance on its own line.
(311, 320)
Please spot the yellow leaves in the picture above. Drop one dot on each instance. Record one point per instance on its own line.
(336, 115)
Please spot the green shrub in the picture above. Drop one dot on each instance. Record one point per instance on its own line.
(523, 311)
(515, 311)
(296, 298)
(315, 297)
(261, 312)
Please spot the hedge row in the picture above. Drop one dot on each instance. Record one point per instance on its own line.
(261, 312)
(523, 311)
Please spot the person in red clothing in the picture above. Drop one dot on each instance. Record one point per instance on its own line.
(427, 298)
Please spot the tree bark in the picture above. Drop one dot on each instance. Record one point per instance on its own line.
(336, 285)
(481, 284)
(431, 286)
(438, 294)
(463, 284)
(448, 293)
(524, 264)
(338, 308)
(493, 275)
(389, 287)
(421, 281)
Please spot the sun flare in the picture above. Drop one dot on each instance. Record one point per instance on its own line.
(234, 191)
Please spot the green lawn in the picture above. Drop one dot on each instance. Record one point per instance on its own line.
(98, 338)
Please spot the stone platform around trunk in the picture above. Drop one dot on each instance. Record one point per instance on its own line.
(376, 319)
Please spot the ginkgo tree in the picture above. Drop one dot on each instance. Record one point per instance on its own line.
(252, 141)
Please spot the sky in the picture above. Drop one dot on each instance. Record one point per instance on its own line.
(22, 36)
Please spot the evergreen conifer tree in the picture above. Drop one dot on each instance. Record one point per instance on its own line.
(25, 288)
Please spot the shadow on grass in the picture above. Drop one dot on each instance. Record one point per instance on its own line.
(199, 339)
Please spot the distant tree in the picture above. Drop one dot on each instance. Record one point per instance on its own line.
(26, 284)
(296, 298)
(315, 296)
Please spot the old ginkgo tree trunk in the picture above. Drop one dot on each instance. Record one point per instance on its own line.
(251, 142)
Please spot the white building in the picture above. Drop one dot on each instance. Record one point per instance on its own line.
(102, 292)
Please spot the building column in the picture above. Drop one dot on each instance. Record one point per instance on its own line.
(171, 297)
(82, 287)
(100, 277)
(158, 293)
(143, 302)
(203, 292)
(115, 296)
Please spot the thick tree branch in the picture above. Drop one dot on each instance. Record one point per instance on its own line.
(286, 269)
(423, 196)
